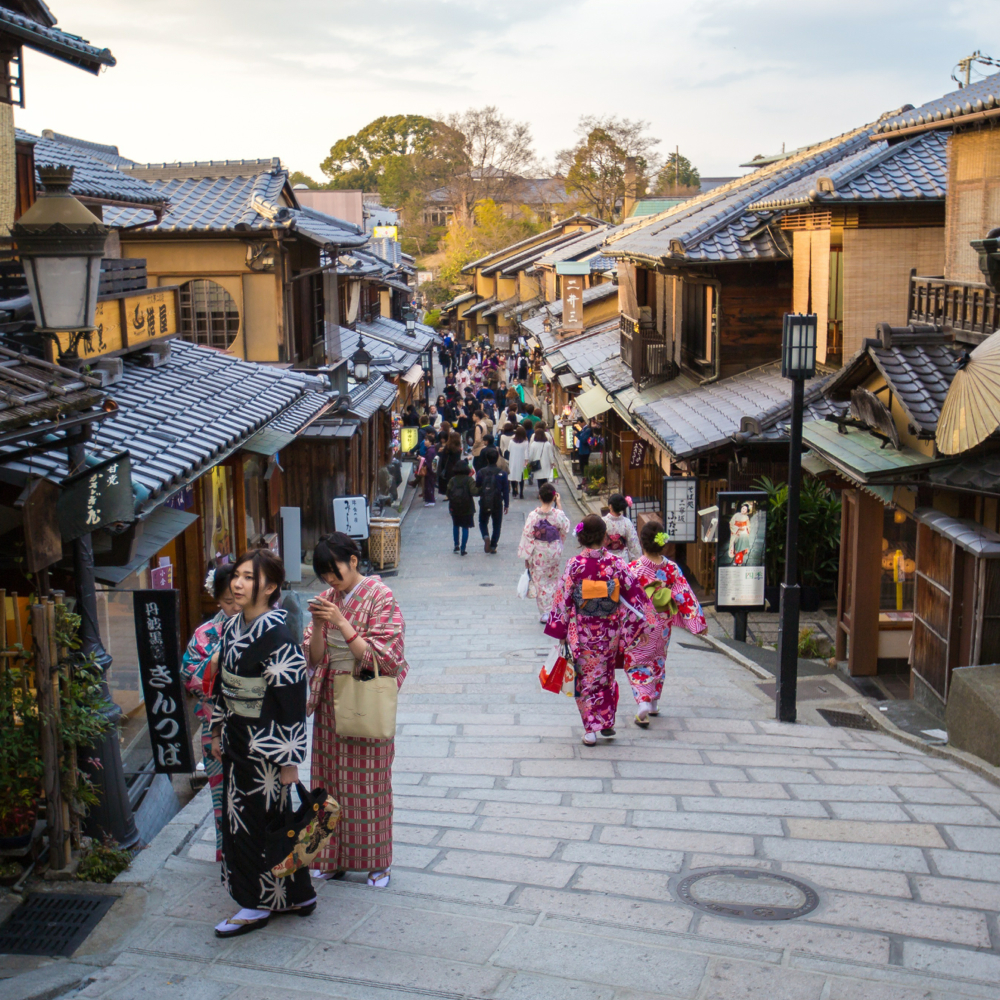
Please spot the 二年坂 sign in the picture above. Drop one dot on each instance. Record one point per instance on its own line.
(96, 497)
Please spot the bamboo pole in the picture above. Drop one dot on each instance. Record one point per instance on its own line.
(40, 614)
(57, 717)
(70, 791)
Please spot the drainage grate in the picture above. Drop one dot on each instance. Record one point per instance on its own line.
(747, 893)
(487, 585)
(52, 923)
(847, 720)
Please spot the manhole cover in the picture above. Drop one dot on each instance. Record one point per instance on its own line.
(52, 923)
(746, 892)
(846, 720)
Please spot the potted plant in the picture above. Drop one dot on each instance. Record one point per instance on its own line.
(21, 765)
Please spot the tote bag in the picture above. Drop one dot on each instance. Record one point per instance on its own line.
(294, 838)
(365, 708)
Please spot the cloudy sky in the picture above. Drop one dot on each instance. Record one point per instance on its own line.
(724, 80)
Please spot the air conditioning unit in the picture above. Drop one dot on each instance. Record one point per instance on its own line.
(108, 370)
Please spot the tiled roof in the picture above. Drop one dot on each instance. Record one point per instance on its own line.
(387, 356)
(913, 170)
(69, 48)
(393, 332)
(529, 241)
(978, 98)
(919, 375)
(376, 394)
(978, 472)
(458, 300)
(183, 417)
(708, 417)
(599, 343)
(98, 150)
(500, 307)
(612, 374)
(224, 196)
(719, 225)
(653, 206)
(518, 261)
(593, 294)
(93, 178)
(579, 247)
(303, 410)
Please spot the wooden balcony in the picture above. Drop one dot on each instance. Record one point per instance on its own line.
(643, 350)
(969, 309)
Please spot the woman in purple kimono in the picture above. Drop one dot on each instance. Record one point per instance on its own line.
(600, 610)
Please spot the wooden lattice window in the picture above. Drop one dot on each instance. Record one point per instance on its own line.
(208, 314)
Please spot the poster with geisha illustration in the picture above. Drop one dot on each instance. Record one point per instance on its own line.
(739, 556)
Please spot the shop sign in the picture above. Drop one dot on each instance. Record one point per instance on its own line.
(680, 503)
(98, 496)
(739, 554)
(572, 289)
(408, 438)
(385, 232)
(157, 643)
(637, 454)
(350, 515)
(162, 577)
(126, 323)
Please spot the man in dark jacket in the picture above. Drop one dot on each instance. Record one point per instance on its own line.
(584, 440)
(494, 499)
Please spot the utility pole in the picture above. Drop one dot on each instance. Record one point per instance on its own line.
(677, 168)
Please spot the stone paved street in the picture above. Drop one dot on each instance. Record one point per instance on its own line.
(529, 866)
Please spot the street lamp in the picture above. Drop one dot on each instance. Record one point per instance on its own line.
(361, 360)
(798, 363)
(427, 362)
(61, 246)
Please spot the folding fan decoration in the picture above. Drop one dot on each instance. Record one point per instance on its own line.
(971, 411)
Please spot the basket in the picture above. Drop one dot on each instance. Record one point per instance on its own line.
(384, 537)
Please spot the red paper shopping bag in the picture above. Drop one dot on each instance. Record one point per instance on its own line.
(553, 671)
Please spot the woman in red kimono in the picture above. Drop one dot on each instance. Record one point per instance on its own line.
(355, 624)
(673, 603)
(599, 609)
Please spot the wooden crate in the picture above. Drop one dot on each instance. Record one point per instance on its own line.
(384, 542)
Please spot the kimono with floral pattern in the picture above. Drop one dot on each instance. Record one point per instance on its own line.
(198, 679)
(622, 539)
(545, 559)
(260, 714)
(645, 663)
(595, 642)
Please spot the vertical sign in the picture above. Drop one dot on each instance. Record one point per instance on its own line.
(680, 503)
(156, 640)
(739, 554)
(637, 454)
(98, 496)
(350, 515)
(572, 289)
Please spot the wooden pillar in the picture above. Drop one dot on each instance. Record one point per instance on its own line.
(239, 504)
(866, 566)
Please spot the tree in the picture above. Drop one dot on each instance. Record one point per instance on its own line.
(595, 167)
(297, 177)
(489, 230)
(677, 174)
(495, 153)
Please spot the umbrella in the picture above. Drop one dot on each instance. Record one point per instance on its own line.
(971, 411)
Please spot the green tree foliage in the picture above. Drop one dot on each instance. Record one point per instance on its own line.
(677, 174)
(595, 167)
(489, 230)
(297, 177)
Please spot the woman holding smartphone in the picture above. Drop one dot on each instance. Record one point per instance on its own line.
(355, 625)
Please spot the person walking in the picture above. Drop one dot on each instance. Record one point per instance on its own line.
(673, 603)
(494, 499)
(589, 613)
(356, 626)
(585, 440)
(622, 539)
(482, 426)
(259, 737)
(541, 455)
(447, 459)
(541, 547)
(522, 370)
(518, 460)
(461, 490)
(429, 464)
(199, 678)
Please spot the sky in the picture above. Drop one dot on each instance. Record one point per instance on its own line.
(723, 80)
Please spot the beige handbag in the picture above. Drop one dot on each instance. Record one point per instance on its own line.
(365, 708)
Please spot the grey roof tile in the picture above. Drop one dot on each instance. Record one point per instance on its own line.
(586, 352)
(984, 95)
(612, 374)
(53, 42)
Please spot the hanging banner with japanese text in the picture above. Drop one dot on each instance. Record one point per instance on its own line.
(158, 646)
(740, 550)
(680, 508)
(98, 496)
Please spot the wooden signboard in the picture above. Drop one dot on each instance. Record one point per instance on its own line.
(98, 496)
(572, 289)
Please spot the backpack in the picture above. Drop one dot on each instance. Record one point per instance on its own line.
(489, 492)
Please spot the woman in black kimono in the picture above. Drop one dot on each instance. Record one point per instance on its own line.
(259, 734)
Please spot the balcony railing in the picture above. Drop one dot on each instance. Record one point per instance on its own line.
(643, 350)
(970, 309)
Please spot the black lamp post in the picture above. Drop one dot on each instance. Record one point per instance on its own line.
(798, 363)
(61, 244)
(361, 360)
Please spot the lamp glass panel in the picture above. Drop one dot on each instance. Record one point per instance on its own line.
(361, 371)
(64, 290)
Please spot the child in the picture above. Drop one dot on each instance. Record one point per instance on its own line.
(673, 602)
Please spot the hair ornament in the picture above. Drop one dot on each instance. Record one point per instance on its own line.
(661, 538)
(628, 500)
(210, 583)
(579, 528)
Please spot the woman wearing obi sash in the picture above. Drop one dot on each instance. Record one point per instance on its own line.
(259, 735)
(599, 609)
(541, 547)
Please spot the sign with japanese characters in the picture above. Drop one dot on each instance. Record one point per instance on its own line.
(350, 515)
(739, 554)
(127, 322)
(158, 646)
(637, 454)
(98, 496)
(680, 508)
(385, 232)
(572, 297)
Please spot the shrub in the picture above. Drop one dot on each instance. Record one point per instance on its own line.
(104, 862)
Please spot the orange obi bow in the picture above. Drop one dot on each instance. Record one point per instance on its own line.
(595, 590)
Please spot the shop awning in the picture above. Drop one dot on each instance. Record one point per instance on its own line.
(567, 380)
(157, 530)
(413, 374)
(593, 402)
(547, 373)
(268, 441)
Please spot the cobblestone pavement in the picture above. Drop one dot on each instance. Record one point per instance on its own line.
(529, 866)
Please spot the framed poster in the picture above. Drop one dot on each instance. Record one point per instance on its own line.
(350, 515)
(739, 553)
(680, 503)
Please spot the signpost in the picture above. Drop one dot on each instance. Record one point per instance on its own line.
(96, 497)
(739, 556)
(680, 503)
(350, 515)
(156, 640)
